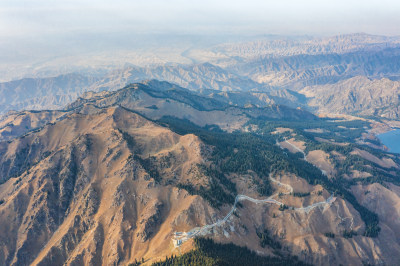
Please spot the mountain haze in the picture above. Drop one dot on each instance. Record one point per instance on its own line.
(276, 70)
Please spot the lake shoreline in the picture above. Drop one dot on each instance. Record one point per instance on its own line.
(391, 139)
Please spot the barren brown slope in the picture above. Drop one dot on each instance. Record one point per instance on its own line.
(82, 194)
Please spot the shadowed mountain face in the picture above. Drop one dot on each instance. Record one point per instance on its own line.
(155, 100)
(111, 178)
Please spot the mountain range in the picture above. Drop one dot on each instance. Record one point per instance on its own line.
(261, 71)
(113, 177)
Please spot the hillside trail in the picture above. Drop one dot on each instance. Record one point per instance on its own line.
(180, 237)
(297, 149)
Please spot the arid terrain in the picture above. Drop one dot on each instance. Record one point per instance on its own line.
(112, 178)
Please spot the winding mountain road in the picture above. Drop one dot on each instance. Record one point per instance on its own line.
(180, 237)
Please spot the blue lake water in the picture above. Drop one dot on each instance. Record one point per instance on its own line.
(391, 139)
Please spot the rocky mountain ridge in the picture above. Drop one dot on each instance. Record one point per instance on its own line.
(110, 179)
(155, 99)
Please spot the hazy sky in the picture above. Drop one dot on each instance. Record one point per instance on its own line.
(40, 27)
(47, 17)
